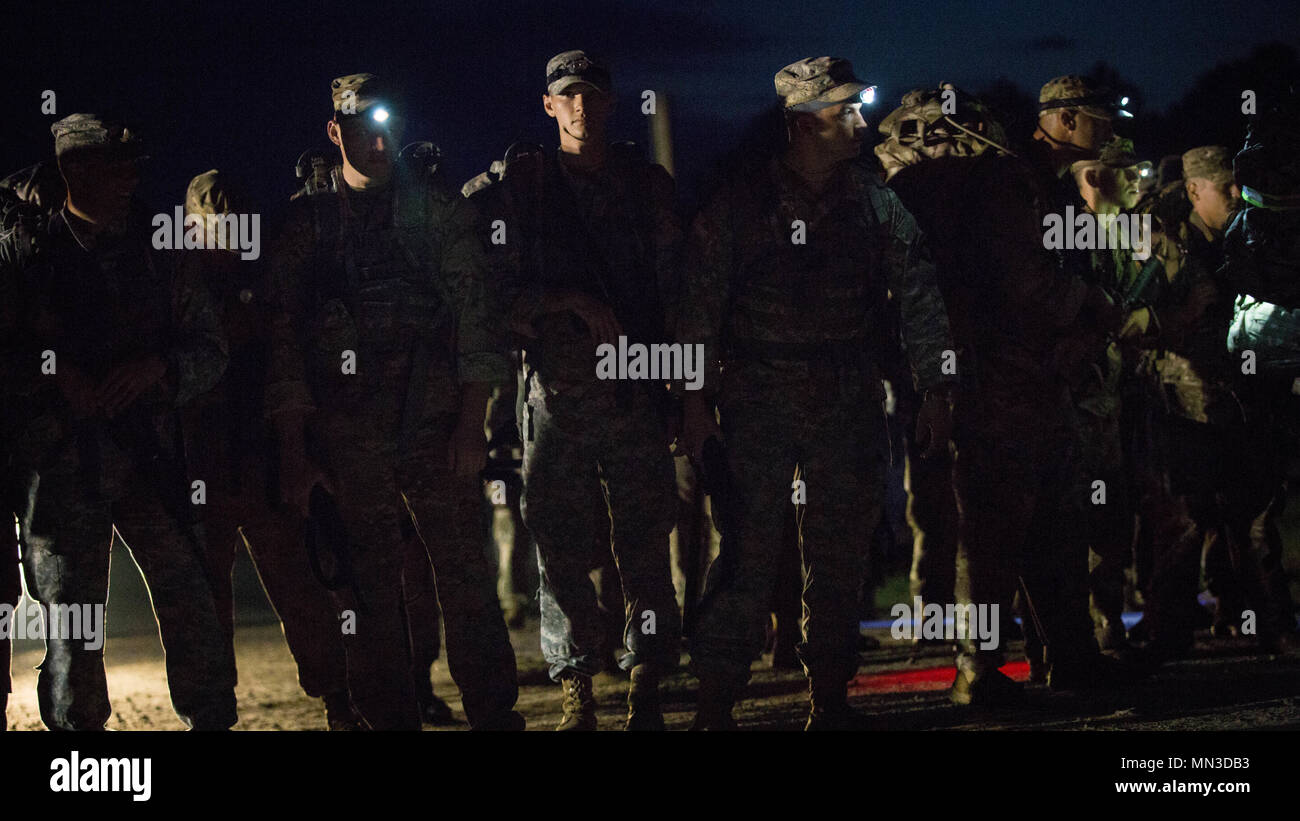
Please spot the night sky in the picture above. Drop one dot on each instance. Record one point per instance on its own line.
(244, 86)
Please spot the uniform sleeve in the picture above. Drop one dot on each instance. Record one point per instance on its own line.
(914, 283)
(20, 349)
(287, 391)
(199, 356)
(482, 338)
(705, 291)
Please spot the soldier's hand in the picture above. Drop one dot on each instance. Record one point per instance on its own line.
(934, 423)
(598, 316)
(467, 450)
(78, 390)
(698, 424)
(125, 383)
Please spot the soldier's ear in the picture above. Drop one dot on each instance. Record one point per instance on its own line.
(1069, 120)
(1092, 176)
(546, 105)
(1193, 194)
(332, 131)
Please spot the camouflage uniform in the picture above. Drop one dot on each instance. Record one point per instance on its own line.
(233, 451)
(97, 302)
(1215, 470)
(395, 277)
(585, 438)
(797, 330)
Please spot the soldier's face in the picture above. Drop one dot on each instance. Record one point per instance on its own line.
(839, 130)
(1120, 186)
(581, 111)
(1213, 203)
(100, 186)
(1091, 132)
(366, 145)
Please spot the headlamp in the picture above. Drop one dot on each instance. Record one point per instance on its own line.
(868, 95)
(379, 114)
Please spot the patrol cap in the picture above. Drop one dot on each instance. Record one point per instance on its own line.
(83, 132)
(1118, 152)
(355, 93)
(1077, 92)
(569, 68)
(1211, 162)
(211, 193)
(819, 82)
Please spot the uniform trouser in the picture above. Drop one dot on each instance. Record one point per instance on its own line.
(690, 542)
(1222, 478)
(1020, 496)
(66, 541)
(516, 562)
(1109, 523)
(576, 448)
(837, 447)
(275, 542)
(375, 498)
(932, 514)
(10, 592)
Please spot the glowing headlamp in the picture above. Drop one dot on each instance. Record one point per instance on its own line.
(868, 95)
(379, 114)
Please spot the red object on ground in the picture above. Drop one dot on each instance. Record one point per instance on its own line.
(924, 680)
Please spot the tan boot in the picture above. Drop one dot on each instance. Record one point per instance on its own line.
(579, 704)
(644, 713)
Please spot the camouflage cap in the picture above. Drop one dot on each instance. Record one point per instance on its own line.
(919, 128)
(817, 82)
(1211, 162)
(354, 93)
(209, 193)
(1118, 152)
(78, 132)
(1076, 92)
(569, 68)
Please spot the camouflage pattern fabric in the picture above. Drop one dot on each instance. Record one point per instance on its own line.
(792, 337)
(98, 304)
(396, 277)
(613, 235)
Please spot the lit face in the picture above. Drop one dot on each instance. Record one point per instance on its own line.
(368, 145)
(1120, 187)
(1213, 203)
(837, 131)
(1078, 128)
(101, 186)
(581, 111)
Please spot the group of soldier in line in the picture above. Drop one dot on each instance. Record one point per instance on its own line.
(333, 398)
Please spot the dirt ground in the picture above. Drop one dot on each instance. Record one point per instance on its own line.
(1225, 686)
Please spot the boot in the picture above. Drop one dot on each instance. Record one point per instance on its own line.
(829, 709)
(713, 707)
(643, 710)
(339, 715)
(983, 685)
(579, 703)
(435, 712)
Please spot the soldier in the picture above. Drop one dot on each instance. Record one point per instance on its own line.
(788, 270)
(1216, 472)
(125, 342)
(589, 251)
(232, 451)
(383, 355)
(1110, 188)
(1013, 419)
